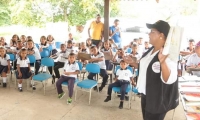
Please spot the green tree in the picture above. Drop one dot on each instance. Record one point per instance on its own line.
(4, 13)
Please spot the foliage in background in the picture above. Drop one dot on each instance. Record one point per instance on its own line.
(4, 13)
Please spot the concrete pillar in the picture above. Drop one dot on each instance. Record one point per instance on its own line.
(106, 18)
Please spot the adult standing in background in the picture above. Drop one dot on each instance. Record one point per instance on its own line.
(95, 31)
(115, 33)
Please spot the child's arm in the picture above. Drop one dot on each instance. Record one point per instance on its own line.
(18, 69)
(71, 73)
(8, 66)
(29, 67)
(114, 58)
(111, 52)
(132, 81)
(96, 59)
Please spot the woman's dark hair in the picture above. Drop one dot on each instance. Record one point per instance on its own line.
(191, 40)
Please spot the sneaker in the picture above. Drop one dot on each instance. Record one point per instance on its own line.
(107, 99)
(4, 84)
(69, 101)
(127, 98)
(33, 87)
(20, 89)
(60, 96)
(121, 105)
(53, 79)
(100, 89)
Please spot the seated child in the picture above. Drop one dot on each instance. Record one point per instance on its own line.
(34, 51)
(23, 68)
(134, 52)
(98, 57)
(5, 65)
(3, 43)
(71, 69)
(88, 43)
(118, 56)
(83, 49)
(13, 41)
(23, 39)
(70, 48)
(51, 42)
(16, 51)
(107, 48)
(146, 47)
(62, 58)
(43, 43)
(123, 79)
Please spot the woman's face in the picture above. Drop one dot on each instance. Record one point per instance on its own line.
(154, 36)
(43, 40)
(15, 38)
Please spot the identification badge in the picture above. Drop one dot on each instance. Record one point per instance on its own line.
(156, 67)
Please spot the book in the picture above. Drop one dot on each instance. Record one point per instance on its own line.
(192, 116)
(83, 56)
(173, 42)
(193, 109)
(192, 96)
(128, 59)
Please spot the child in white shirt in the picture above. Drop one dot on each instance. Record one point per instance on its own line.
(43, 43)
(4, 65)
(71, 69)
(23, 68)
(123, 79)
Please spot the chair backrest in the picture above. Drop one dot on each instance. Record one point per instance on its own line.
(128, 67)
(37, 45)
(58, 45)
(93, 68)
(49, 62)
(31, 58)
(45, 53)
(80, 65)
(129, 50)
(12, 57)
(50, 47)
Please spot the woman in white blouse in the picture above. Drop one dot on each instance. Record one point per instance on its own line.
(157, 79)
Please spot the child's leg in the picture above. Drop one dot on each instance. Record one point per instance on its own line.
(124, 86)
(59, 84)
(115, 84)
(103, 73)
(37, 66)
(91, 76)
(4, 76)
(56, 69)
(71, 82)
(19, 83)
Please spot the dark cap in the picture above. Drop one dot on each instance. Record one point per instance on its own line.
(161, 26)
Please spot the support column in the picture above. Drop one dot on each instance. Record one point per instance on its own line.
(106, 18)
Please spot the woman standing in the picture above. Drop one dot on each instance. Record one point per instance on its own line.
(157, 80)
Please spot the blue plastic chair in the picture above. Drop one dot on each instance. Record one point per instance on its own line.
(58, 45)
(129, 50)
(43, 77)
(45, 53)
(128, 90)
(87, 84)
(37, 45)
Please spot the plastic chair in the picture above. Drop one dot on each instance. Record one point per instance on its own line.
(87, 84)
(129, 50)
(58, 45)
(128, 90)
(45, 53)
(37, 45)
(12, 59)
(43, 77)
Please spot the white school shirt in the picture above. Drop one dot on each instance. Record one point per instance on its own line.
(140, 49)
(43, 46)
(36, 53)
(52, 43)
(4, 60)
(23, 63)
(71, 68)
(61, 56)
(194, 59)
(102, 64)
(124, 74)
(70, 50)
(144, 63)
(137, 55)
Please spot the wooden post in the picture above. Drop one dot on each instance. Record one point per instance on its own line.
(106, 19)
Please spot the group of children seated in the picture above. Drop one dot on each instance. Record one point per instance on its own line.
(66, 58)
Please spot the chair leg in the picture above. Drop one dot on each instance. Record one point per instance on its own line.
(44, 87)
(90, 96)
(173, 115)
(76, 94)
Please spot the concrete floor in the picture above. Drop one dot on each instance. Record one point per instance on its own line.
(26, 105)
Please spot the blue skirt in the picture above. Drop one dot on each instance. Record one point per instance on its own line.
(25, 73)
(3, 69)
